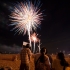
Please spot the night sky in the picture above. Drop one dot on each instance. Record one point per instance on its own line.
(54, 29)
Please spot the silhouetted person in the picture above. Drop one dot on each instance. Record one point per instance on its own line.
(63, 62)
(60, 63)
(42, 62)
(25, 58)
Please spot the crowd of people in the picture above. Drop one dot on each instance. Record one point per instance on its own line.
(42, 60)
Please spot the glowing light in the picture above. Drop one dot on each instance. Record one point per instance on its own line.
(26, 17)
(34, 39)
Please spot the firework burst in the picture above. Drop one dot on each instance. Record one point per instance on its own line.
(26, 17)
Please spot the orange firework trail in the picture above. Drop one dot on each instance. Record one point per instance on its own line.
(34, 39)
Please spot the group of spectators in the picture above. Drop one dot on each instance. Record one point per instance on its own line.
(42, 60)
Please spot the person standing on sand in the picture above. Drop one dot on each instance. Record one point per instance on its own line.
(25, 58)
(42, 63)
(60, 62)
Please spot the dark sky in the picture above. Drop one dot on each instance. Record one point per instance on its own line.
(55, 28)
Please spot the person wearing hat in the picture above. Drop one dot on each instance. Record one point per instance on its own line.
(25, 57)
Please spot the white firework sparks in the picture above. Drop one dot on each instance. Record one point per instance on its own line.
(26, 17)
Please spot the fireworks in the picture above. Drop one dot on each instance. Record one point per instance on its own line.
(26, 17)
(34, 39)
